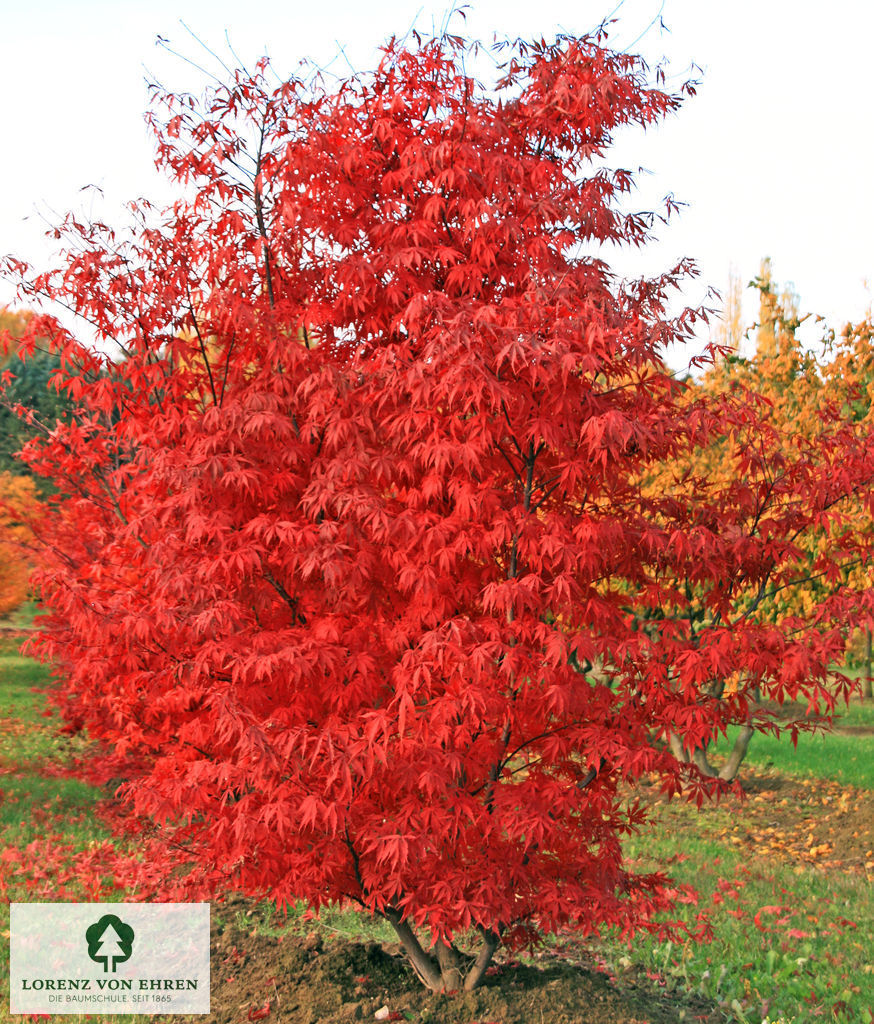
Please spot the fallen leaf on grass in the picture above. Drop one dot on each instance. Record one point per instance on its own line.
(254, 1014)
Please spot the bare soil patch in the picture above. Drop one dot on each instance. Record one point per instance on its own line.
(313, 981)
(810, 822)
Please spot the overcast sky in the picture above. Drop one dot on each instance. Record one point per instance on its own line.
(772, 157)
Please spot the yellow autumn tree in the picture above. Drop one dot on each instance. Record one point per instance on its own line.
(729, 328)
(803, 386)
(850, 379)
(807, 399)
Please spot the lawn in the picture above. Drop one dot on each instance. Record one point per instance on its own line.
(34, 803)
(790, 937)
(849, 758)
(845, 754)
(30, 741)
(792, 915)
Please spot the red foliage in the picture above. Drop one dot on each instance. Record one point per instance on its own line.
(342, 564)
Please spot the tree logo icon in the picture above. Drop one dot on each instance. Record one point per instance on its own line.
(110, 941)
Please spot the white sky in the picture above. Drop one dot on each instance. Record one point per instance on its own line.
(773, 157)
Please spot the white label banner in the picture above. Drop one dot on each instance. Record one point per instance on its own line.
(109, 958)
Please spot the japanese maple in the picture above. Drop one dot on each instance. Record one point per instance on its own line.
(350, 546)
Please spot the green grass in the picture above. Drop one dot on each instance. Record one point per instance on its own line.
(858, 713)
(332, 921)
(845, 754)
(22, 617)
(788, 942)
(18, 676)
(813, 958)
(29, 739)
(33, 801)
(846, 758)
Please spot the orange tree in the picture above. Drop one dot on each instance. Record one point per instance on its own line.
(18, 507)
(25, 391)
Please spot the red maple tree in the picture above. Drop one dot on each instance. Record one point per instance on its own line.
(351, 568)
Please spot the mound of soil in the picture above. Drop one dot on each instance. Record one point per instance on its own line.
(311, 981)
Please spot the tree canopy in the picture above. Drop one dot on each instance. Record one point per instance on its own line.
(351, 566)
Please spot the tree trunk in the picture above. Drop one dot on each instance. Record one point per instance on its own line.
(699, 756)
(677, 748)
(445, 970)
(491, 941)
(451, 972)
(728, 772)
(866, 682)
(427, 970)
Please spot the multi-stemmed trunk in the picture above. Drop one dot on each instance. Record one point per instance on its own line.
(444, 968)
(698, 756)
